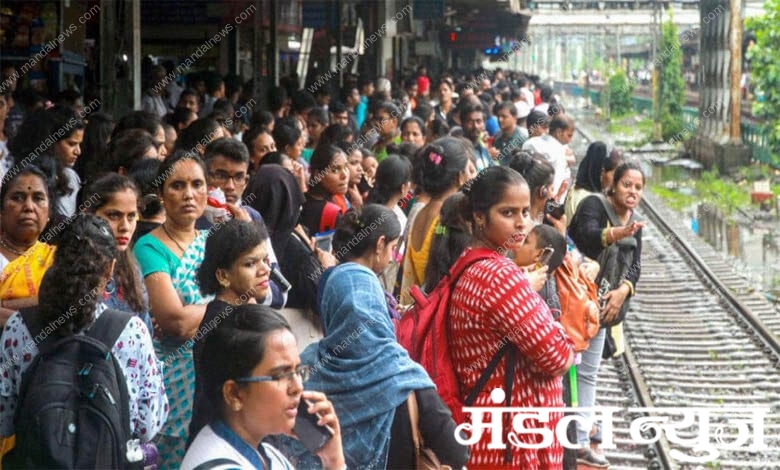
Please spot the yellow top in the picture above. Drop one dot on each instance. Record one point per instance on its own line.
(415, 263)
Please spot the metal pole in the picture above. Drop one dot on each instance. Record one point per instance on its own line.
(136, 54)
(108, 56)
(257, 51)
(735, 44)
(273, 55)
(339, 42)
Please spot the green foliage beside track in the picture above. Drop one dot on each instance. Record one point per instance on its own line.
(620, 93)
(670, 61)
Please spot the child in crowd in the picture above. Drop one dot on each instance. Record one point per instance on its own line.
(541, 238)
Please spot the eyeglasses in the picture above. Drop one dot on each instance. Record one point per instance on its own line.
(300, 371)
(223, 177)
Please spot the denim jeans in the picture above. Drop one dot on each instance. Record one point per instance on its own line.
(587, 372)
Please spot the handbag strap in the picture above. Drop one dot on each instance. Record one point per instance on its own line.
(510, 350)
(509, 380)
(482, 380)
(612, 215)
(414, 419)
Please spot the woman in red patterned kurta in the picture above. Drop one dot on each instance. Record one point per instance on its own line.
(493, 303)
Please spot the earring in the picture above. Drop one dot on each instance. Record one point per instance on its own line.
(237, 407)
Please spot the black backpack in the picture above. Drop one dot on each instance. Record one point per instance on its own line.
(73, 406)
(615, 262)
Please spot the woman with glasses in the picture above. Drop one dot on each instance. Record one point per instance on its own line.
(253, 384)
(385, 121)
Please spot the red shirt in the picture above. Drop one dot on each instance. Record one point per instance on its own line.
(493, 302)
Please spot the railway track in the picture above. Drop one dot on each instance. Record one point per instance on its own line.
(691, 343)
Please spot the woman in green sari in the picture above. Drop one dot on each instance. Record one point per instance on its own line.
(170, 256)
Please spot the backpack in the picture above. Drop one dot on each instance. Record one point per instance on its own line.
(424, 332)
(579, 305)
(615, 262)
(73, 406)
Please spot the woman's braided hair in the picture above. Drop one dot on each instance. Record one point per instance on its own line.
(74, 284)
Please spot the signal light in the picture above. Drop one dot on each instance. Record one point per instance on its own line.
(453, 37)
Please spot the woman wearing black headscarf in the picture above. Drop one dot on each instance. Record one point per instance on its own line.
(591, 176)
(278, 198)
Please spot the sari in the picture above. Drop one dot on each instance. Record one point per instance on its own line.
(22, 277)
(175, 355)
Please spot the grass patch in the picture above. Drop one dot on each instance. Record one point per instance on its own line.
(677, 201)
(639, 126)
(710, 189)
(725, 194)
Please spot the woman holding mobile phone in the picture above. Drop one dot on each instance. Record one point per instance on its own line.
(253, 385)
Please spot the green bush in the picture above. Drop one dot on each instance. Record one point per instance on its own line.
(620, 91)
(670, 62)
(671, 126)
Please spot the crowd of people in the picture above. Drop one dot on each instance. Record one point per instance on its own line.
(256, 251)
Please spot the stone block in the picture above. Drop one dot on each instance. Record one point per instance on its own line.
(727, 157)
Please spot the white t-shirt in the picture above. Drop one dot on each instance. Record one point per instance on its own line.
(68, 203)
(209, 446)
(555, 152)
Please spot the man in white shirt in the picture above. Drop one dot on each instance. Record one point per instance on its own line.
(153, 100)
(553, 146)
(528, 95)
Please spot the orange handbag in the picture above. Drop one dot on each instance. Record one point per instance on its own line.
(578, 297)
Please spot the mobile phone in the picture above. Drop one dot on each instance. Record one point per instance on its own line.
(324, 240)
(544, 258)
(363, 186)
(312, 435)
(554, 209)
(604, 287)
